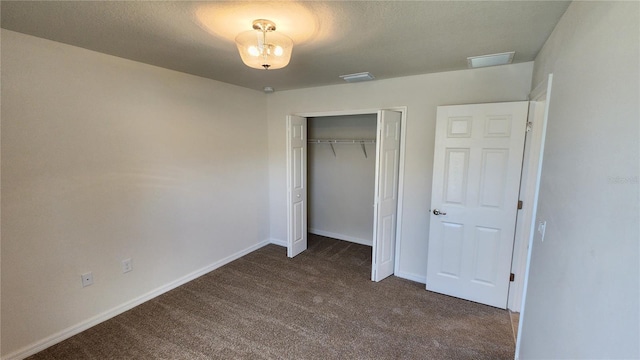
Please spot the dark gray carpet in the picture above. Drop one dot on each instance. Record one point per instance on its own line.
(319, 305)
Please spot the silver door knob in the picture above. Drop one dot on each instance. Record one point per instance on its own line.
(438, 212)
(298, 195)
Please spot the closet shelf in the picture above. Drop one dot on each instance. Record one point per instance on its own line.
(331, 142)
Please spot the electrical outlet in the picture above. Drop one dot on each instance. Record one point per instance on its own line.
(87, 279)
(126, 265)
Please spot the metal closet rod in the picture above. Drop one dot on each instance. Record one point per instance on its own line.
(361, 142)
(342, 141)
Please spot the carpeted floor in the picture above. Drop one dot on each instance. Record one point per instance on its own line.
(319, 305)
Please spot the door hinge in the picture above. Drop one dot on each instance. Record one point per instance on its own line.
(519, 204)
(512, 277)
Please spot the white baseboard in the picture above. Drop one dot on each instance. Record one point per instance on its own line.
(352, 239)
(413, 277)
(78, 328)
(278, 242)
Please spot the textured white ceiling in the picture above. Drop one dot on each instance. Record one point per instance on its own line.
(387, 38)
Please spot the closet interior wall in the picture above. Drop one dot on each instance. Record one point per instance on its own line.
(341, 179)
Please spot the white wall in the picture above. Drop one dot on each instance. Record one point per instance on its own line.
(583, 290)
(104, 159)
(421, 94)
(341, 187)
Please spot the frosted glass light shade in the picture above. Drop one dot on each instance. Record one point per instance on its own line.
(264, 49)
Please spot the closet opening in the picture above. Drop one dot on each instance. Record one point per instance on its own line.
(341, 177)
(344, 181)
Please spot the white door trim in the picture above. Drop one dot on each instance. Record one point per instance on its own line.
(541, 92)
(528, 185)
(344, 112)
(527, 196)
(403, 137)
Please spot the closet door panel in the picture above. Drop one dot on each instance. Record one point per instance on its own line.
(296, 185)
(386, 201)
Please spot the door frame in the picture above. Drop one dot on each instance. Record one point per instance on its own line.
(540, 94)
(401, 168)
(538, 109)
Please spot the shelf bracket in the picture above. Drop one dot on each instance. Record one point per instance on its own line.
(332, 149)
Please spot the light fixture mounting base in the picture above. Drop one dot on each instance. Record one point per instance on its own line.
(264, 25)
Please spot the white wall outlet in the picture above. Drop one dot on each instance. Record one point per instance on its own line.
(87, 279)
(126, 265)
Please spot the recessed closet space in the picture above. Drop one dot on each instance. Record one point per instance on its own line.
(341, 176)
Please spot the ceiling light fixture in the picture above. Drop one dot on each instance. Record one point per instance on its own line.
(363, 76)
(263, 48)
(490, 60)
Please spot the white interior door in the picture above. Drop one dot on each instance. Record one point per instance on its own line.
(296, 185)
(476, 178)
(386, 194)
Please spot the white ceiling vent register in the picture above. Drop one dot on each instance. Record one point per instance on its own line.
(490, 60)
(363, 76)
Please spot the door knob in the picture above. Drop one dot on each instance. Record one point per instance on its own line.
(298, 195)
(438, 212)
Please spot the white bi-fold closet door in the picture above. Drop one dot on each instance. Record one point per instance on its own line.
(343, 180)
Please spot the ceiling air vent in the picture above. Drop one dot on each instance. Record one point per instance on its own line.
(363, 76)
(490, 60)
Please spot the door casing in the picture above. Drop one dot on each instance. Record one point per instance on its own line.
(542, 95)
(528, 186)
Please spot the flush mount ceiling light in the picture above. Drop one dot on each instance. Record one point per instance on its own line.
(363, 76)
(263, 48)
(490, 60)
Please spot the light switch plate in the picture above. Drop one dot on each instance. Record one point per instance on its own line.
(542, 227)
